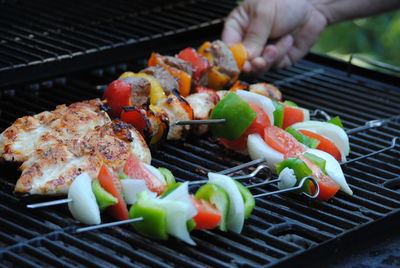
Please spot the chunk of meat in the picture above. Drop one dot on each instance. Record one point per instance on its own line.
(18, 142)
(166, 80)
(223, 59)
(177, 109)
(202, 104)
(54, 165)
(178, 63)
(267, 90)
(140, 90)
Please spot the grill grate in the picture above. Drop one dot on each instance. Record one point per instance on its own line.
(45, 37)
(282, 229)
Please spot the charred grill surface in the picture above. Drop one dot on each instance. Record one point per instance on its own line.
(282, 229)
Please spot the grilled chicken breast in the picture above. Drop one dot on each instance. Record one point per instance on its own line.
(18, 142)
(56, 146)
(52, 168)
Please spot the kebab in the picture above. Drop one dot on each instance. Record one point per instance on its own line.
(221, 202)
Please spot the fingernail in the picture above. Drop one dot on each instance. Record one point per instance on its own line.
(287, 41)
(269, 55)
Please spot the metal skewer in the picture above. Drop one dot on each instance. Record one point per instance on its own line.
(106, 225)
(394, 140)
(50, 203)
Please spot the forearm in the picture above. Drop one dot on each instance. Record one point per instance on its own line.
(340, 10)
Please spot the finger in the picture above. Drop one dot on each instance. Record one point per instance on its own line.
(259, 28)
(234, 26)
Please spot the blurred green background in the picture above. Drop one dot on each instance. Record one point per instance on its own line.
(375, 37)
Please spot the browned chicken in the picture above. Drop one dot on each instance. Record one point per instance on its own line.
(57, 146)
(19, 141)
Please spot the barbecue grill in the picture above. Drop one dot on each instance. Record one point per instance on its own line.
(54, 52)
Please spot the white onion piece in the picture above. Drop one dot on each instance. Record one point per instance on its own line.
(236, 203)
(131, 187)
(333, 169)
(330, 131)
(155, 172)
(182, 194)
(258, 148)
(176, 219)
(306, 114)
(83, 206)
(287, 179)
(259, 100)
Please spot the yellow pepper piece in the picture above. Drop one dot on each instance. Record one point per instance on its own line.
(126, 74)
(156, 91)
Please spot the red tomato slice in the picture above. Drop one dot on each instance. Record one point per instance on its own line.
(325, 144)
(118, 94)
(208, 216)
(327, 187)
(136, 170)
(282, 142)
(292, 115)
(106, 180)
(258, 126)
(136, 119)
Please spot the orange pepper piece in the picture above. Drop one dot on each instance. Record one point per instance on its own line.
(239, 85)
(239, 53)
(184, 79)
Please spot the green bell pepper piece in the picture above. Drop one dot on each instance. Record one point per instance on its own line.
(154, 223)
(248, 199)
(300, 168)
(309, 142)
(170, 189)
(191, 224)
(290, 103)
(278, 114)
(217, 196)
(320, 162)
(104, 199)
(168, 176)
(237, 113)
(336, 121)
(123, 176)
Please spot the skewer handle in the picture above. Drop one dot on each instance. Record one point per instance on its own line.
(200, 122)
(105, 225)
(50, 203)
(298, 187)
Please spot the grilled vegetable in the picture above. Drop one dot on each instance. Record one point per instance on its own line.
(154, 223)
(256, 127)
(306, 140)
(333, 139)
(104, 199)
(238, 115)
(236, 212)
(333, 169)
(217, 196)
(106, 180)
(239, 53)
(293, 114)
(208, 216)
(300, 169)
(168, 176)
(136, 170)
(118, 94)
(131, 188)
(83, 207)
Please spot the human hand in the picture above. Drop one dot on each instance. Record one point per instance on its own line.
(295, 26)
